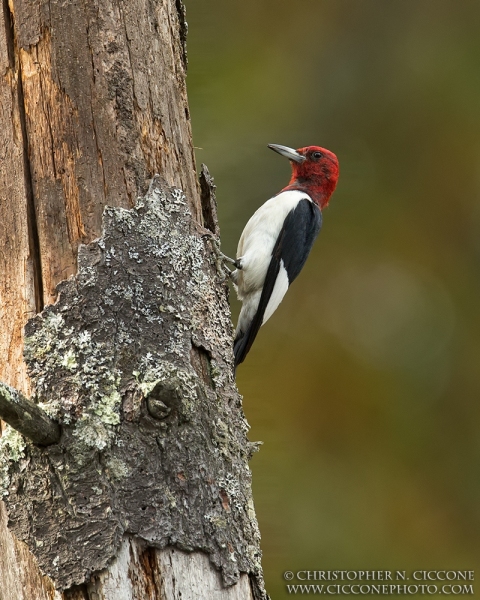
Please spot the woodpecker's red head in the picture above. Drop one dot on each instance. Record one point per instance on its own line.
(314, 171)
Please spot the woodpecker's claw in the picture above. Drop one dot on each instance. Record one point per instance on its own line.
(220, 257)
(226, 258)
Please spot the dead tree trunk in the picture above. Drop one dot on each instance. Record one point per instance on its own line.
(130, 480)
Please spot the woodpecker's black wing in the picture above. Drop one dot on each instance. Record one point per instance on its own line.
(291, 250)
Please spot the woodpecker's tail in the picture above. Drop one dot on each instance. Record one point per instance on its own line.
(244, 340)
(240, 349)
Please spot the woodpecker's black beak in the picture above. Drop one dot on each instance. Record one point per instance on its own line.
(289, 153)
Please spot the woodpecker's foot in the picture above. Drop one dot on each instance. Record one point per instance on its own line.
(220, 257)
(227, 259)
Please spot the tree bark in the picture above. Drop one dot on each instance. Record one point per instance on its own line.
(147, 492)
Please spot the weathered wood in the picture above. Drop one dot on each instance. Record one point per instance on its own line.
(20, 578)
(26, 417)
(105, 108)
(121, 343)
(17, 252)
(19, 574)
(189, 577)
(93, 103)
(142, 572)
(209, 201)
(88, 115)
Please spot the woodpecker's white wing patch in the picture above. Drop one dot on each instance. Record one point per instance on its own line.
(279, 290)
(258, 240)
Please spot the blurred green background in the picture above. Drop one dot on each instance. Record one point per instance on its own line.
(365, 384)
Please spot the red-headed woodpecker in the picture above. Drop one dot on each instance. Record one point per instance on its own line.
(278, 238)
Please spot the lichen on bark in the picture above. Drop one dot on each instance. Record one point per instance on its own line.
(135, 362)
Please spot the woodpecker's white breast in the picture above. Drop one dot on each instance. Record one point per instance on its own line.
(255, 252)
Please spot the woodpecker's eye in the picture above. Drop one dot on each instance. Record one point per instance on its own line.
(317, 155)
